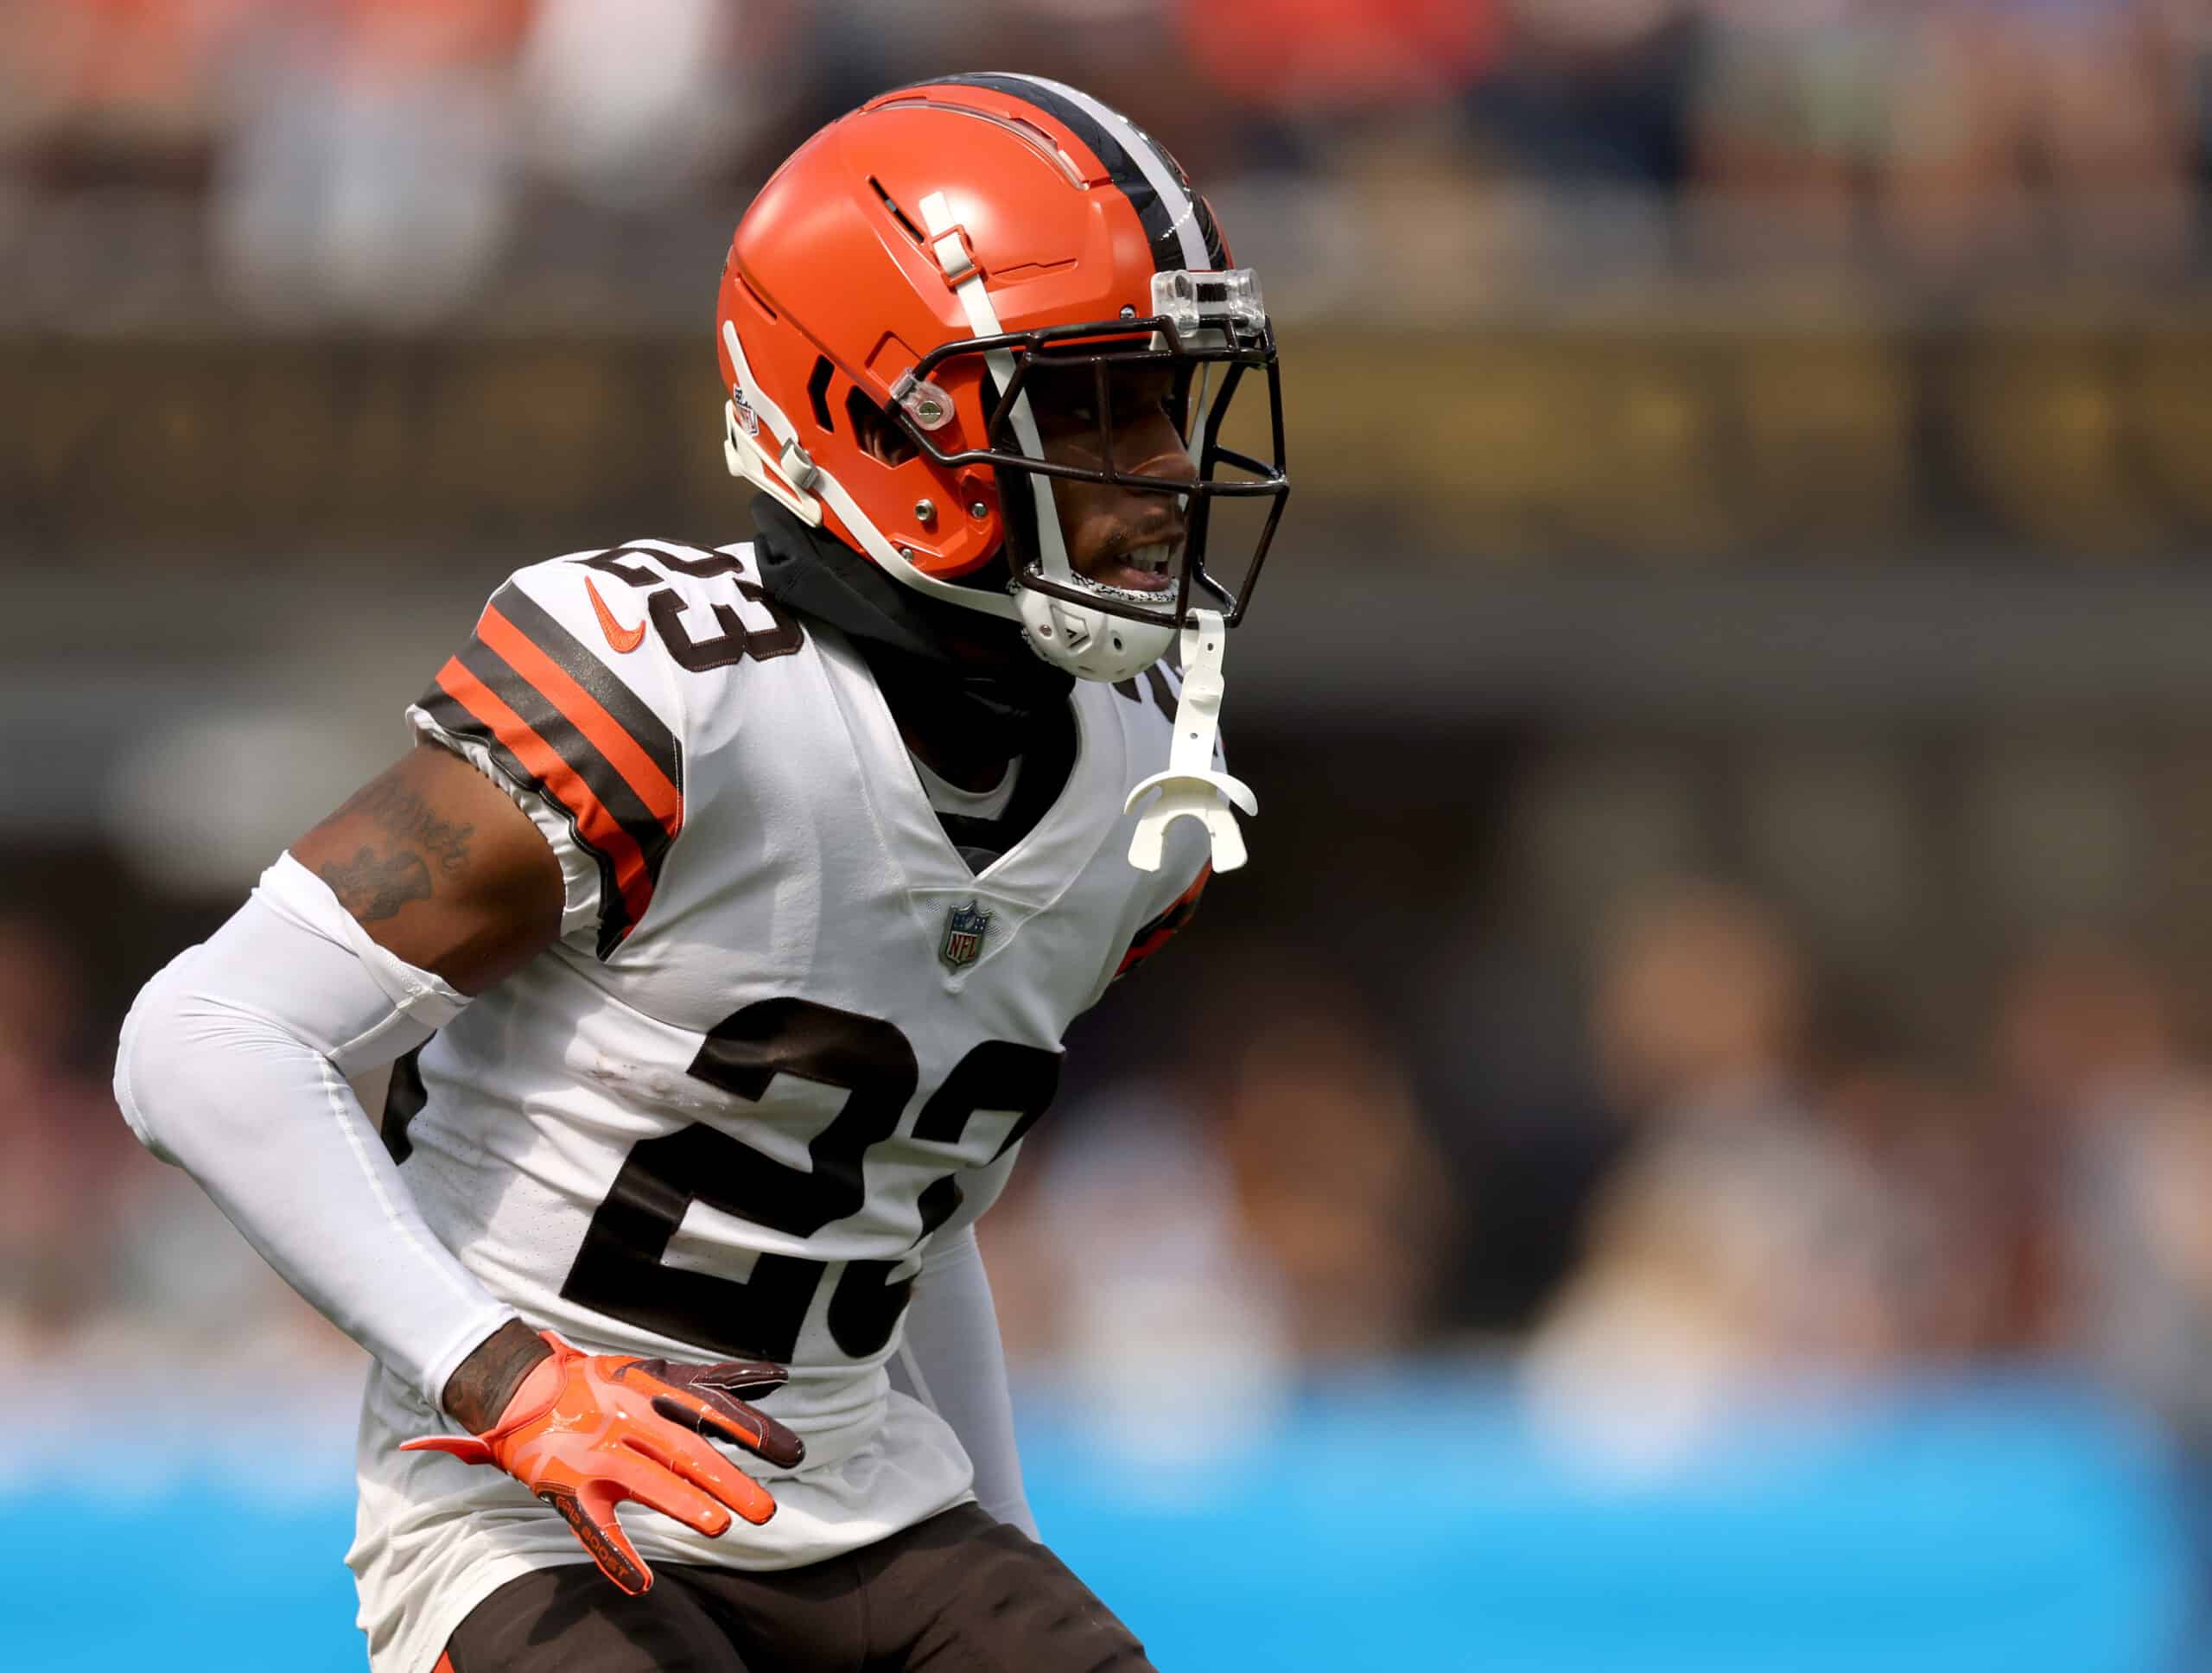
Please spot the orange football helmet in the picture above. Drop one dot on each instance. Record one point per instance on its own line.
(923, 255)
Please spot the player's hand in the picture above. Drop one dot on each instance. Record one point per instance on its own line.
(585, 1432)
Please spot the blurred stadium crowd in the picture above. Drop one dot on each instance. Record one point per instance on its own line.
(1706, 1135)
(383, 160)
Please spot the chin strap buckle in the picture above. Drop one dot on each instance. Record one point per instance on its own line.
(799, 470)
(1191, 788)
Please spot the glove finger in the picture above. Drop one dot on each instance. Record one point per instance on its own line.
(660, 1484)
(595, 1524)
(730, 1388)
(749, 1377)
(704, 1466)
(746, 1378)
(714, 1415)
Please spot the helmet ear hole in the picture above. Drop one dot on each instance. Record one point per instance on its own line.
(877, 432)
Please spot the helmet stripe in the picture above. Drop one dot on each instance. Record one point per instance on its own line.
(1162, 173)
(1175, 219)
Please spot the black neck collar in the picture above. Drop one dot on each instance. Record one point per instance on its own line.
(941, 668)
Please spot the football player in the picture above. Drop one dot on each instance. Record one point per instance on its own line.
(723, 924)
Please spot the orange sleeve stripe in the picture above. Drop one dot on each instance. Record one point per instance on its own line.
(597, 827)
(585, 712)
(1141, 950)
(1159, 932)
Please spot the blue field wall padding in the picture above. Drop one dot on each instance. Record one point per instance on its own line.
(1420, 1521)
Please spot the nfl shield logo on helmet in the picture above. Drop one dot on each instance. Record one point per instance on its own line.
(964, 929)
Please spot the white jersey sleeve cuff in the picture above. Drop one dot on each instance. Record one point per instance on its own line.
(579, 873)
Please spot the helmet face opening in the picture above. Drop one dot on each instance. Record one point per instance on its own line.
(1205, 363)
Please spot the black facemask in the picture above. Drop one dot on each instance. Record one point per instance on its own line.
(925, 654)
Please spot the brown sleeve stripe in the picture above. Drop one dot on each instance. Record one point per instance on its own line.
(589, 670)
(1159, 932)
(577, 744)
(532, 761)
(618, 768)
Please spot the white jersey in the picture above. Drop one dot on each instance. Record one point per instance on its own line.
(786, 1036)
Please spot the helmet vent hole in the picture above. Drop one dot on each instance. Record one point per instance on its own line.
(817, 390)
(1118, 642)
(896, 212)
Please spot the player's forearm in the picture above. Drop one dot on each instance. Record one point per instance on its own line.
(233, 1065)
(953, 1361)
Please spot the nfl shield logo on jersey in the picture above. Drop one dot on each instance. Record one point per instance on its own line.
(965, 929)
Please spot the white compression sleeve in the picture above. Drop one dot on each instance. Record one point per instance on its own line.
(231, 1066)
(953, 1362)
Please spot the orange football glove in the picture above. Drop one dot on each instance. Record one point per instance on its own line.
(616, 1427)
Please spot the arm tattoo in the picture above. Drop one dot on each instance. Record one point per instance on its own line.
(372, 889)
(404, 814)
(375, 884)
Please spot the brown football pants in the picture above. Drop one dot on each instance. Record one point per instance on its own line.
(959, 1592)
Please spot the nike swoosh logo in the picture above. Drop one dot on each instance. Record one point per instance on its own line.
(623, 640)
